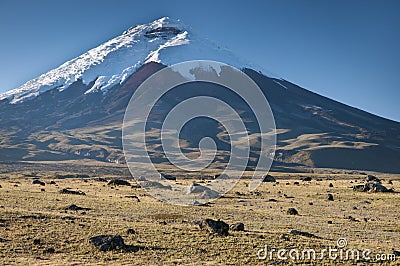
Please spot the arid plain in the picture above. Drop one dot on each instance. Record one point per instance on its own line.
(39, 225)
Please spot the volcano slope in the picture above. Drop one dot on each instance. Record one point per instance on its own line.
(312, 131)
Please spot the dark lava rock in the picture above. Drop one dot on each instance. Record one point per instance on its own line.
(237, 227)
(197, 188)
(133, 197)
(74, 207)
(154, 184)
(69, 218)
(118, 182)
(197, 203)
(329, 197)
(285, 237)
(371, 187)
(269, 178)
(330, 222)
(49, 250)
(330, 185)
(221, 176)
(372, 178)
(307, 178)
(167, 177)
(209, 194)
(396, 253)
(359, 188)
(141, 178)
(72, 192)
(301, 233)
(130, 231)
(292, 211)
(52, 182)
(296, 183)
(99, 179)
(376, 187)
(213, 227)
(108, 242)
(351, 218)
(38, 182)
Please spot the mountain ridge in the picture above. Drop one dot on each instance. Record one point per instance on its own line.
(84, 120)
(112, 62)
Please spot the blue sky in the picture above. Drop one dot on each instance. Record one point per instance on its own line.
(345, 50)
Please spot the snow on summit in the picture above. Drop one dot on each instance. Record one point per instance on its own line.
(164, 40)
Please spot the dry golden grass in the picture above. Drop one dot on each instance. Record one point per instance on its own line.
(27, 213)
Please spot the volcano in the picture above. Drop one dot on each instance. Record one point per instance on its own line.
(75, 111)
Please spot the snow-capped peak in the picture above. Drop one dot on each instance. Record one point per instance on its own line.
(165, 40)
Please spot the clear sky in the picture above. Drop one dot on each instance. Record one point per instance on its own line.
(345, 50)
